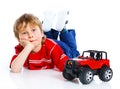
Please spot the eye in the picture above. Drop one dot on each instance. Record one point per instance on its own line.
(24, 33)
(33, 30)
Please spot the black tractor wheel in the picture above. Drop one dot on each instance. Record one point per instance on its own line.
(86, 76)
(105, 74)
(67, 76)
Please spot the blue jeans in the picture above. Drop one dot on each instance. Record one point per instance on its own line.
(67, 41)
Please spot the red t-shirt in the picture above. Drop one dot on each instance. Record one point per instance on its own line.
(49, 56)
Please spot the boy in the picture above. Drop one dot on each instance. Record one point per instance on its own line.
(34, 50)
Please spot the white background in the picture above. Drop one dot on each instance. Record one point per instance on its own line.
(97, 25)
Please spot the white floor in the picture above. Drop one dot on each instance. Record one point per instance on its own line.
(97, 25)
(50, 79)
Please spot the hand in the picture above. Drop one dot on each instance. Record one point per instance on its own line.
(25, 43)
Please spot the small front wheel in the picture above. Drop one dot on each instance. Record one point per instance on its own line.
(67, 75)
(86, 76)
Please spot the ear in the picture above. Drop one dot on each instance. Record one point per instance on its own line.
(42, 34)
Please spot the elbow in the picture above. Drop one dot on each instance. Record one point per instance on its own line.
(15, 69)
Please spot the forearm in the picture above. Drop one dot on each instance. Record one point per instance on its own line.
(19, 61)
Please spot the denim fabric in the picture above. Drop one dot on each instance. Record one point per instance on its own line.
(67, 41)
(53, 34)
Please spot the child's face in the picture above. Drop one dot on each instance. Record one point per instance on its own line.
(32, 34)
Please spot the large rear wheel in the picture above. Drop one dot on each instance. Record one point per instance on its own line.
(105, 74)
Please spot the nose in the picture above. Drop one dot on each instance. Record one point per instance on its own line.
(30, 35)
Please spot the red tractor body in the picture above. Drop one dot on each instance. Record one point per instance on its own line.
(92, 62)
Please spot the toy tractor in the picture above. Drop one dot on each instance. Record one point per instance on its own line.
(92, 62)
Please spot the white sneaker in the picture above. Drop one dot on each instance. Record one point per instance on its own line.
(48, 20)
(60, 20)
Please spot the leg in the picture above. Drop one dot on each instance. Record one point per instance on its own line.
(68, 37)
(67, 41)
(53, 34)
(65, 48)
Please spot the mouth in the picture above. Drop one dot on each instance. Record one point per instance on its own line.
(32, 40)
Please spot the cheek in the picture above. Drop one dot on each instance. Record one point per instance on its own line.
(39, 35)
(21, 37)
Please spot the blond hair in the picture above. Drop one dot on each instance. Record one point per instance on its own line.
(23, 21)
